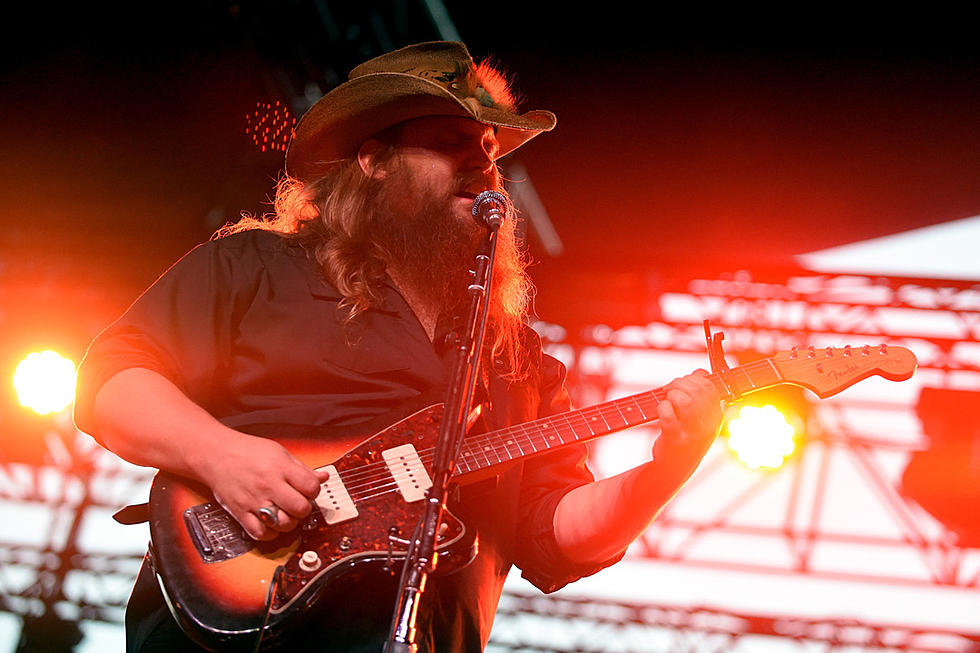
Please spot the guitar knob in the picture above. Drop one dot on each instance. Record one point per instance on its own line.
(309, 561)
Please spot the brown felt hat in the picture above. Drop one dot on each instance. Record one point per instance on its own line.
(438, 78)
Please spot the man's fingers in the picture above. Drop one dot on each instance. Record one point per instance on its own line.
(285, 522)
(255, 528)
(669, 424)
(292, 502)
(305, 480)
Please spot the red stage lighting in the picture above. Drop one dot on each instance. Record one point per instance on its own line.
(270, 126)
(945, 478)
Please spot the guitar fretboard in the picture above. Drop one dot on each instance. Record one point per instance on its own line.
(504, 445)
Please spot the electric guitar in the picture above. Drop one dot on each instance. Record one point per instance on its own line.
(226, 589)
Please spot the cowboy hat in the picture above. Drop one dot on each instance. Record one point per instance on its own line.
(437, 78)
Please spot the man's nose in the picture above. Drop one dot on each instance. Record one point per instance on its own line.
(480, 160)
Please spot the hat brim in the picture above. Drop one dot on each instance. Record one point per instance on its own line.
(336, 126)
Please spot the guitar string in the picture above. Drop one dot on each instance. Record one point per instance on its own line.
(494, 443)
(504, 440)
(611, 413)
(616, 404)
(581, 417)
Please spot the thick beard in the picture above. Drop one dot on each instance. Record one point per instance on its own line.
(432, 250)
(428, 247)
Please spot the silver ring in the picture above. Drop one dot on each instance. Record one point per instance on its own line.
(269, 515)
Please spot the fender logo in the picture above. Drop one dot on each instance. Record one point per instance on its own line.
(834, 375)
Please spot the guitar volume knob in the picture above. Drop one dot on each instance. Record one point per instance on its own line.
(309, 561)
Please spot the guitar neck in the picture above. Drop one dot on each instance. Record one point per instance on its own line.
(484, 450)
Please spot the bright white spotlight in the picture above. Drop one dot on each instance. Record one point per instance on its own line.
(45, 382)
(760, 437)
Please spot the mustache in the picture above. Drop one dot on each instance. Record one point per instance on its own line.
(473, 185)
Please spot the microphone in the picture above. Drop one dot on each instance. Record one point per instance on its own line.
(490, 208)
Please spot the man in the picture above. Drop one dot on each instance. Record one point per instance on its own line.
(338, 310)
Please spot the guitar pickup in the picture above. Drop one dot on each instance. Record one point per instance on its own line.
(215, 534)
(334, 500)
(408, 471)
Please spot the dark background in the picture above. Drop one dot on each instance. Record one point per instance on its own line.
(689, 142)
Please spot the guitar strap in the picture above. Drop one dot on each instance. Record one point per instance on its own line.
(135, 514)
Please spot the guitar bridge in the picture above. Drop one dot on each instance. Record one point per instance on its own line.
(215, 534)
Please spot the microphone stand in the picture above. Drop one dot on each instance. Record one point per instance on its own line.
(421, 556)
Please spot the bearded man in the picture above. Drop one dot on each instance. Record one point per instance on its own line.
(338, 310)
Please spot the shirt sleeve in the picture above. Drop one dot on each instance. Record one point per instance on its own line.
(179, 328)
(546, 480)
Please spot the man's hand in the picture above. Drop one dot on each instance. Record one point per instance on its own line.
(595, 521)
(689, 422)
(256, 472)
(146, 419)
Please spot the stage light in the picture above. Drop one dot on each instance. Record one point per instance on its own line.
(761, 436)
(45, 382)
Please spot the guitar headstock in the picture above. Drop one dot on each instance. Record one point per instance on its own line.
(828, 371)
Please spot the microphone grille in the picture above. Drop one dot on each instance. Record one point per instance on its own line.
(487, 199)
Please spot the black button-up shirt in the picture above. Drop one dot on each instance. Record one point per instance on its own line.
(248, 328)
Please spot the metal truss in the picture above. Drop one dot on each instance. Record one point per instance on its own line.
(53, 575)
(938, 320)
(539, 624)
(57, 578)
(799, 532)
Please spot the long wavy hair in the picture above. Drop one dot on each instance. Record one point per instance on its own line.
(333, 219)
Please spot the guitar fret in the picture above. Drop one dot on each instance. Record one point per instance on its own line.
(737, 385)
(484, 446)
(579, 427)
(776, 375)
(518, 438)
(584, 424)
(643, 413)
(570, 427)
(530, 439)
(512, 442)
(550, 433)
(620, 420)
(748, 376)
(652, 404)
(593, 419)
(490, 449)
